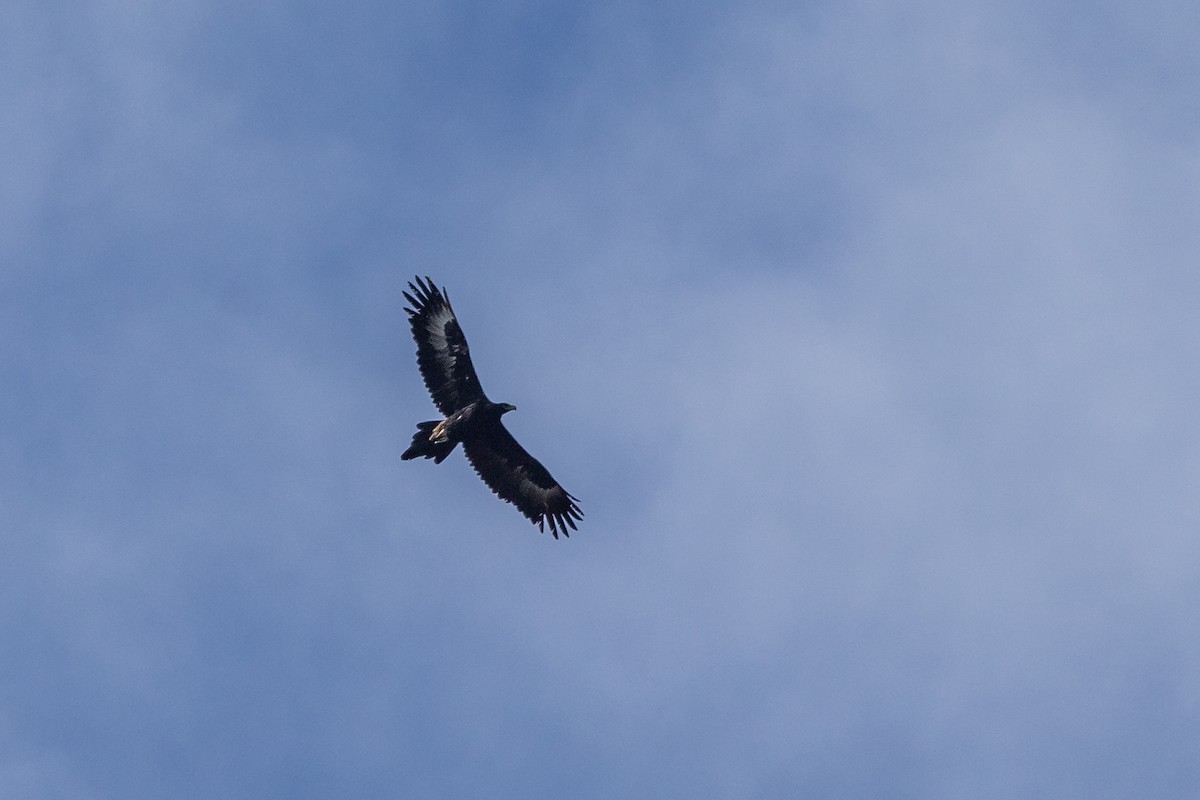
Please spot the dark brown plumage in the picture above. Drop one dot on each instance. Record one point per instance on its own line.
(472, 419)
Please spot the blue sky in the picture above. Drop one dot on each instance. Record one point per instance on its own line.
(866, 334)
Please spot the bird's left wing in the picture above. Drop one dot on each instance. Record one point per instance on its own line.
(519, 478)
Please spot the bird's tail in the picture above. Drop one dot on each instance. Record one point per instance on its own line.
(424, 447)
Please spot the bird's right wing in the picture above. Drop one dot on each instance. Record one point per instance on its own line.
(442, 352)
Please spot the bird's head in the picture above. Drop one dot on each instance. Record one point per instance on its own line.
(505, 408)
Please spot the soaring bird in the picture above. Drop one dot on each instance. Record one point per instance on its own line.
(474, 420)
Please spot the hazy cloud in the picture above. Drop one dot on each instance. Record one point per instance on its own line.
(865, 334)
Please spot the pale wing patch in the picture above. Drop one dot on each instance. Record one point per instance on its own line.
(436, 326)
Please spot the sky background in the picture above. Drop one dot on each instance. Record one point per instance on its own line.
(866, 333)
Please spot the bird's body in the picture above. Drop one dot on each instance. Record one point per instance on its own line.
(473, 420)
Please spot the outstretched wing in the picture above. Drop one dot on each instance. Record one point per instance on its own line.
(442, 352)
(517, 477)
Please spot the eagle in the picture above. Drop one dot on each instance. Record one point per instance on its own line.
(474, 420)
